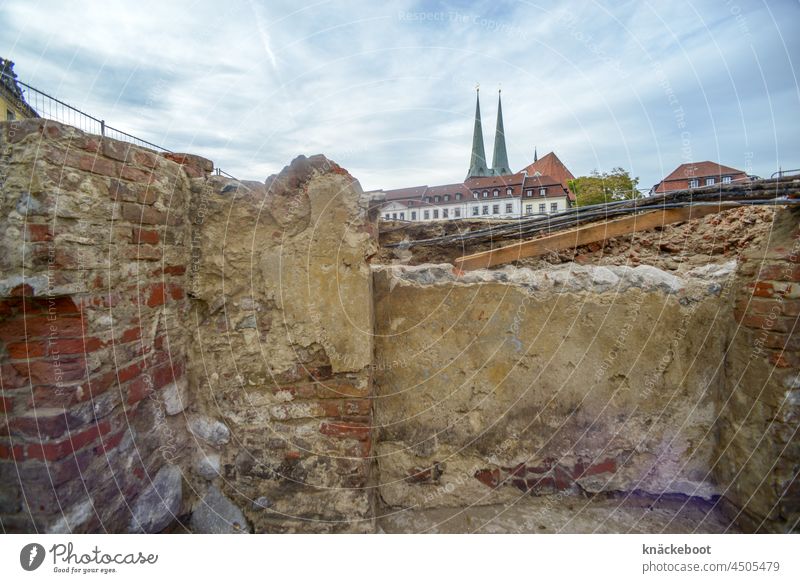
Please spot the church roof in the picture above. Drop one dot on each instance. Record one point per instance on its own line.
(550, 165)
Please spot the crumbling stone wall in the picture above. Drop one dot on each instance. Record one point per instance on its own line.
(759, 450)
(282, 316)
(92, 330)
(581, 379)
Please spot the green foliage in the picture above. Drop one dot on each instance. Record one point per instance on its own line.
(606, 187)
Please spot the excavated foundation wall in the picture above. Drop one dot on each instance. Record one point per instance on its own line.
(282, 343)
(184, 351)
(512, 382)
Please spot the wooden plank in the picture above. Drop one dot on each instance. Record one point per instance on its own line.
(586, 234)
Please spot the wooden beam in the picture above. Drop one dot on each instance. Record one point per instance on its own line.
(586, 234)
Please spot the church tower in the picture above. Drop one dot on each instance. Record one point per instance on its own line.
(500, 159)
(477, 161)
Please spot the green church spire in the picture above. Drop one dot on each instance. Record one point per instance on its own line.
(477, 162)
(500, 159)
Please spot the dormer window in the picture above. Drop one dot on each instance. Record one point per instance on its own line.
(458, 196)
(428, 199)
(474, 195)
(446, 197)
(508, 191)
(710, 182)
(495, 192)
(542, 192)
(436, 198)
(485, 193)
(694, 183)
(726, 180)
(528, 193)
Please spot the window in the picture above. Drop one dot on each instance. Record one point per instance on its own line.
(387, 216)
(553, 207)
(458, 196)
(528, 209)
(457, 213)
(413, 215)
(694, 183)
(509, 207)
(485, 193)
(495, 193)
(428, 199)
(528, 193)
(508, 191)
(541, 208)
(394, 216)
(435, 213)
(542, 192)
(446, 197)
(709, 181)
(445, 213)
(474, 195)
(726, 180)
(427, 215)
(495, 209)
(10, 115)
(436, 198)
(475, 211)
(486, 209)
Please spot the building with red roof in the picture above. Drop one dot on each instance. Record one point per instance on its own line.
(699, 175)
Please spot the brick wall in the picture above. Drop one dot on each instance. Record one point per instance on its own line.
(92, 335)
(760, 408)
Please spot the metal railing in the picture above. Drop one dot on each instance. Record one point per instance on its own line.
(49, 107)
(782, 173)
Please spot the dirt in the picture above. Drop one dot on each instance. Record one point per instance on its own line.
(712, 239)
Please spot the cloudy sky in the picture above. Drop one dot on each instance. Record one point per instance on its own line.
(387, 88)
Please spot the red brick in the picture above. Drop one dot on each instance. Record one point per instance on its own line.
(42, 424)
(11, 452)
(139, 388)
(608, 465)
(335, 389)
(176, 291)
(53, 451)
(766, 322)
(98, 165)
(763, 289)
(784, 359)
(135, 174)
(38, 232)
(6, 405)
(780, 272)
(775, 340)
(145, 236)
(37, 326)
(131, 335)
(32, 349)
(345, 429)
(11, 377)
(130, 372)
(166, 374)
(490, 478)
(157, 296)
(75, 345)
(50, 371)
(110, 443)
(173, 270)
(139, 214)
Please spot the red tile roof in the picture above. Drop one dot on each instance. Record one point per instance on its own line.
(678, 179)
(550, 165)
(700, 170)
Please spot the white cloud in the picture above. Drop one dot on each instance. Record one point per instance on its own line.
(388, 89)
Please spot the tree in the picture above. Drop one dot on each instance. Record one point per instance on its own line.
(606, 187)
